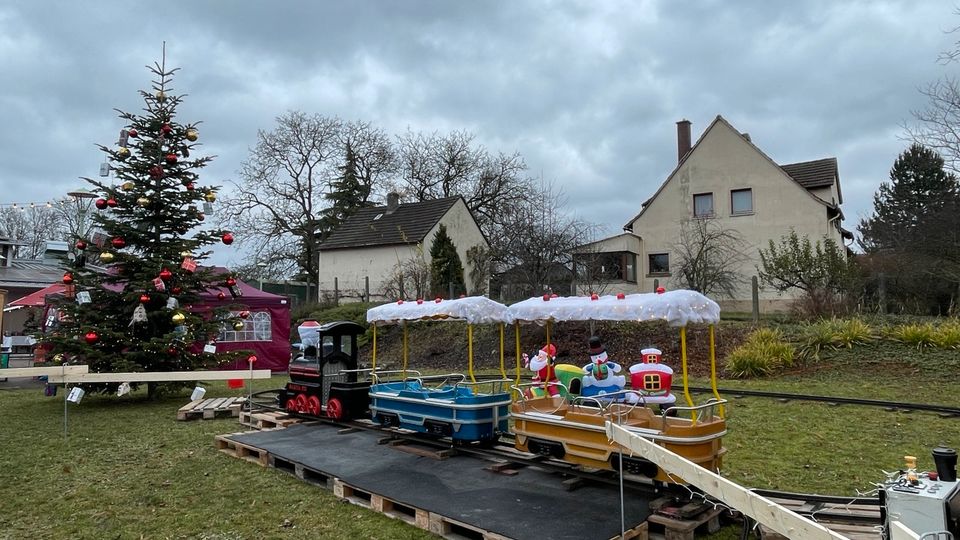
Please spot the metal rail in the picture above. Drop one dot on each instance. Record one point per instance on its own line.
(942, 409)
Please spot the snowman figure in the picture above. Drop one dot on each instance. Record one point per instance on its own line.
(543, 365)
(600, 375)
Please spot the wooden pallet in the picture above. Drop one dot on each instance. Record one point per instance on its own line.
(207, 409)
(828, 515)
(239, 450)
(684, 529)
(267, 420)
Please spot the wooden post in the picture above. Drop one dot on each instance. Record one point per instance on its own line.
(450, 288)
(656, 284)
(366, 288)
(336, 292)
(882, 292)
(755, 298)
(3, 304)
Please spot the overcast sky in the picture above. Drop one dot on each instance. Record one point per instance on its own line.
(588, 92)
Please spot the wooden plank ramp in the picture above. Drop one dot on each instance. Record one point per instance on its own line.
(268, 419)
(207, 409)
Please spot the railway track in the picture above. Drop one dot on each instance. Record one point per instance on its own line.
(835, 400)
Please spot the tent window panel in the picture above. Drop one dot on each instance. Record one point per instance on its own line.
(256, 327)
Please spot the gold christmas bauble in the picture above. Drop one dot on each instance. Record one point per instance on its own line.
(123, 152)
(127, 186)
(106, 257)
(210, 196)
(184, 254)
(143, 201)
(238, 325)
(161, 97)
(192, 135)
(178, 317)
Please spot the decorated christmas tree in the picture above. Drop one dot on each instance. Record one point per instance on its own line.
(134, 289)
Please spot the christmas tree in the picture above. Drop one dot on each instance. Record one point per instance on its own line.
(133, 294)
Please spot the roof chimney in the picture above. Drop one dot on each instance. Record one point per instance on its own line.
(393, 201)
(683, 139)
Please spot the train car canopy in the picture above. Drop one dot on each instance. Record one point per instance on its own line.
(677, 308)
(472, 309)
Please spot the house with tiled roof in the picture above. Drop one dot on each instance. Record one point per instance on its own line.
(727, 179)
(368, 250)
(21, 277)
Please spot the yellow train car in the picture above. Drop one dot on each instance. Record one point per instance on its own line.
(572, 429)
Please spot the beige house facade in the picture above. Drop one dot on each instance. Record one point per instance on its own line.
(368, 249)
(728, 181)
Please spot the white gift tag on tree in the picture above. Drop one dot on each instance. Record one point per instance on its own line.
(83, 297)
(139, 314)
(210, 348)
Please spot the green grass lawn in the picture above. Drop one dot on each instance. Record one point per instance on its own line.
(128, 469)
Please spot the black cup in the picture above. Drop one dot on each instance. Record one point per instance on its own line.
(946, 461)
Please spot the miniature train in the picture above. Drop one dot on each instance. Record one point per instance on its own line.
(561, 414)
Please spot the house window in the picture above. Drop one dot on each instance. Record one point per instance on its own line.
(255, 328)
(741, 201)
(659, 263)
(703, 205)
(630, 267)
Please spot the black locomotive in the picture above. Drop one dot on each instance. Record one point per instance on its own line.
(324, 379)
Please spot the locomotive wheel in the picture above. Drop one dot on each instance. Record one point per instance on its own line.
(335, 409)
(301, 403)
(313, 405)
(292, 405)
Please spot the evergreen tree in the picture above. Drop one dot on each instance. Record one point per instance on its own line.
(347, 194)
(136, 312)
(919, 187)
(445, 265)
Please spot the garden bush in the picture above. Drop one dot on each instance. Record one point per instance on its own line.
(919, 335)
(947, 335)
(763, 353)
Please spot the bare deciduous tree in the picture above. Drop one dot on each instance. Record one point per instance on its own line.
(709, 258)
(32, 226)
(409, 278)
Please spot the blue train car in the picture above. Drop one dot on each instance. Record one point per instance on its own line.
(461, 410)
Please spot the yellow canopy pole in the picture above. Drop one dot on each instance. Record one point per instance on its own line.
(405, 350)
(503, 372)
(470, 352)
(516, 335)
(546, 391)
(713, 370)
(683, 360)
(374, 354)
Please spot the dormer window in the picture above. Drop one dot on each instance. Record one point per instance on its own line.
(378, 217)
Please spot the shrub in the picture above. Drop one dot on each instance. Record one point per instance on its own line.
(947, 336)
(762, 353)
(921, 335)
(850, 332)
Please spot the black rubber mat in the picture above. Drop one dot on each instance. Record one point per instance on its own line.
(530, 505)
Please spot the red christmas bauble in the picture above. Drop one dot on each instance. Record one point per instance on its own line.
(166, 274)
(81, 245)
(111, 202)
(438, 300)
(554, 295)
(200, 216)
(244, 314)
(594, 296)
(91, 338)
(621, 296)
(144, 298)
(166, 129)
(118, 242)
(177, 290)
(171, 158)
(156, 172)
(101, 203)
(190, 186)
(172, 351)
(400, 301)
(227, 238)
(419, 301)
(67, 278)
(132, 133)
(221, 296)
(231, 282)
(661, 290)
(546, 298)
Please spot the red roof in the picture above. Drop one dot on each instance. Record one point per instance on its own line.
(38, 298)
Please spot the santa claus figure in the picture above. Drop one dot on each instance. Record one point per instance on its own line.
(600, 375)
(543, 364)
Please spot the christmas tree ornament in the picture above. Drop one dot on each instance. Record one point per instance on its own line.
(192, 134)
(91, 337)
(171, 158)
(106, 257)
(80, 261)
(238, 325)
(210, 196)
(172, 303)
(132, 132)
(159, 285)
(128, 186)
(123, 153)
(111, 202)
(67, 278)
(166, 129)
(161, 97)
(190, 186)
(244, 314)
(100, 203)
(184, 151)
(231, 282)
(178, 317)
(81, 245)
(143, 202)
(176, 289)
(189, 265)
(144, 298)
(83, 297)
(124, 138)
(200, 216)
(227, 238)
(139, 315)
(166, 274)
(172, 351)
(156, 172)
(221, 296)
(235, 291)
(184, 254)
(118, 242)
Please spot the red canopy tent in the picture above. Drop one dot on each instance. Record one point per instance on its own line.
(266, 331)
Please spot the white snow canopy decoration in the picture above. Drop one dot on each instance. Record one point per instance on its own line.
(472, 309)
(677, 308)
